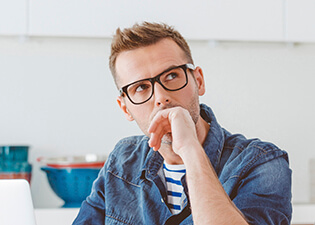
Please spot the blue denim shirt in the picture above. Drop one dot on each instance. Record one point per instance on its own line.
(130, 188)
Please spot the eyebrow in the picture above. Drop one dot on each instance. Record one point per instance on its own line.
(168, 68)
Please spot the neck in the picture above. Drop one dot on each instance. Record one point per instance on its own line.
(170, 157)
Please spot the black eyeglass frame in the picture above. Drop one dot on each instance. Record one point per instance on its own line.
(186, 66)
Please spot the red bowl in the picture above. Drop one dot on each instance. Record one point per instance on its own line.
(82, 161)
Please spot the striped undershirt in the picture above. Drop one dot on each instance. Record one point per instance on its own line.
(173, 175)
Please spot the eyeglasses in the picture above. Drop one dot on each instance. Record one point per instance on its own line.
(172, 79)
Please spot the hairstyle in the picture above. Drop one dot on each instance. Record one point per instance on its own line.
(141, 35)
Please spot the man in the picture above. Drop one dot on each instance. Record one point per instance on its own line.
(186, 169)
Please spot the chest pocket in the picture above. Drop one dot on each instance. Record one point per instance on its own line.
(111, 220)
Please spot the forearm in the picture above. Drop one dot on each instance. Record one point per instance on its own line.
(209, 202)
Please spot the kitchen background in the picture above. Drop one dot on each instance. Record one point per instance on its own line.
(57, 94)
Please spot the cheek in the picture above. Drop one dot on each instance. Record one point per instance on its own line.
(141, 115)
(190, 91)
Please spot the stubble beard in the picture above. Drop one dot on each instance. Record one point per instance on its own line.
(193, 109)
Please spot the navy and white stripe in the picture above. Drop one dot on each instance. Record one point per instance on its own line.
(173, 175)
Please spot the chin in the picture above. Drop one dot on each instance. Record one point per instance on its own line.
(167, 139)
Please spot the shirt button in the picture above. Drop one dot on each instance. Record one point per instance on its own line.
(162, 200)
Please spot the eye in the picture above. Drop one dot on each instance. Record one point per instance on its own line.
(141, 87)
(171, 76)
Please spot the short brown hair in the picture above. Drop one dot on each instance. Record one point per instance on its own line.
(141, 35)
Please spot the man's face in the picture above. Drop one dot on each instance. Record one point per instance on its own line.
(147, 62)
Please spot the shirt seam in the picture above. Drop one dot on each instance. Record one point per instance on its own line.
(232, 147)
(272, 209)
(138, 186)
(117, 219)
(255, 159)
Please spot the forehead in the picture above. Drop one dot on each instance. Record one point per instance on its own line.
(148, 61)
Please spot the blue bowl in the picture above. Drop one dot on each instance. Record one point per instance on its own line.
(71, 185)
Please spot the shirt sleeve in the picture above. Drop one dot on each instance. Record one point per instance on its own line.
(92, 210)
(264, 194)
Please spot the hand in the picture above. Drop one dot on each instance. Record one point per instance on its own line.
(176, 121)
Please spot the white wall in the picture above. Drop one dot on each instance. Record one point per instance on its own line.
(57, 95)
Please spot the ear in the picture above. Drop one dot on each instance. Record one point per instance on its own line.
(200, 81)
(123, 107)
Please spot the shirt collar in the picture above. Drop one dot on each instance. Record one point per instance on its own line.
(214, 142)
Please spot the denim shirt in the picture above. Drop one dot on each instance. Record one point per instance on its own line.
(130, 188)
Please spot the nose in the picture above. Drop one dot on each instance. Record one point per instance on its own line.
(161, 96)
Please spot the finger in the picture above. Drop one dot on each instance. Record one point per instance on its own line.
(158, 128)
(157, 135)
(160, 117)
(154, 143)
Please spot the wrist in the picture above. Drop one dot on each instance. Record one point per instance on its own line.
(190, 151)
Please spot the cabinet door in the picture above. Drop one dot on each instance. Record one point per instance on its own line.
(67, 18)
(300, 20)
(100, 18)
(253, 20)
(13, 17)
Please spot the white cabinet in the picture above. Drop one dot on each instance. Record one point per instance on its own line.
(100, 18)
(300, 21)
(13, 17)
(245, 20)
(200, 19)
(69, 18)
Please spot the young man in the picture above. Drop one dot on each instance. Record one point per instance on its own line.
(186, 169)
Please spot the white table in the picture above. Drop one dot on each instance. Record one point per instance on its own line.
(53, 216)
(302, 214)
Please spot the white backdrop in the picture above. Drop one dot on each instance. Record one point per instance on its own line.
(57, 95)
